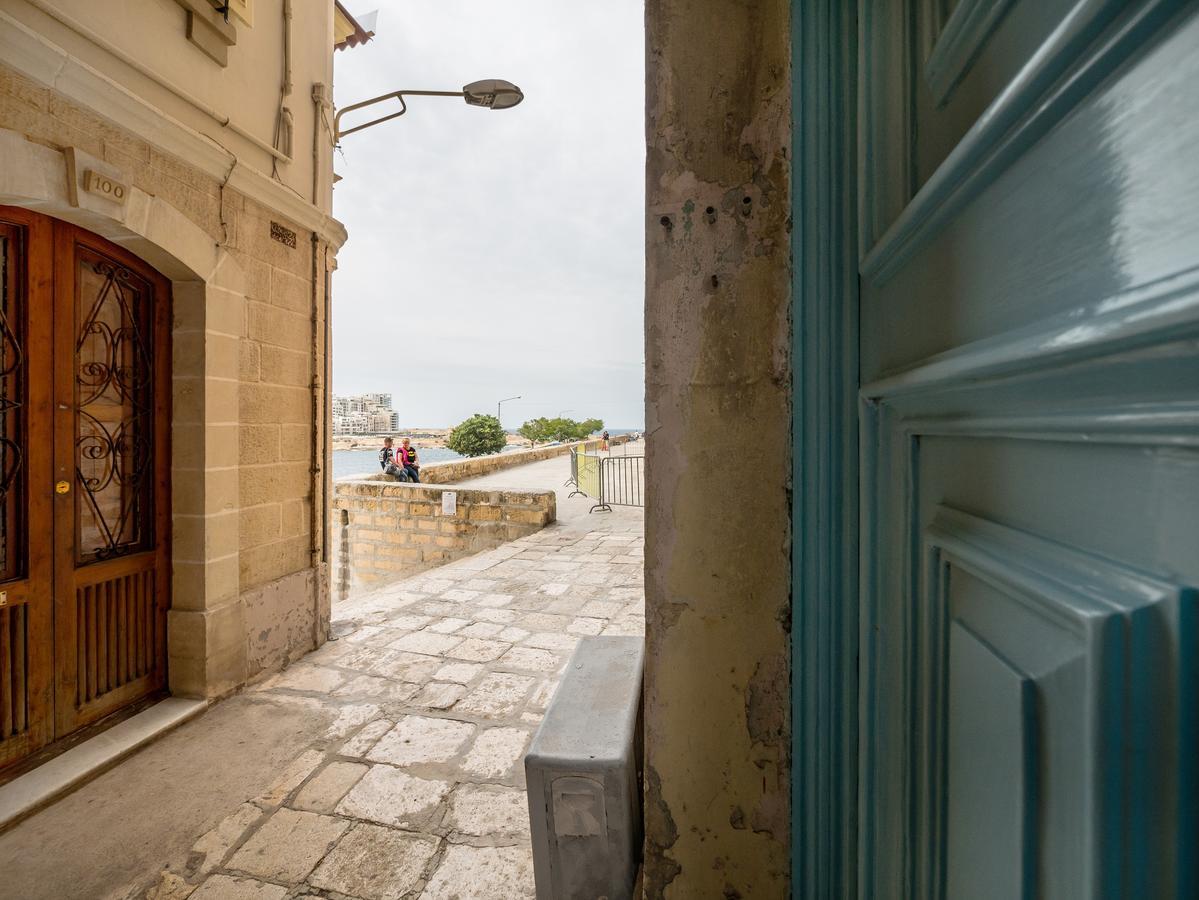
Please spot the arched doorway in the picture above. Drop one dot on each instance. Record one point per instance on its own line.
(85, 368)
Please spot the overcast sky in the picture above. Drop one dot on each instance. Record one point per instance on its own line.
(495, 253)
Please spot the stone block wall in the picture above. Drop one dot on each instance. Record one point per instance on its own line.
(475, 467)
(385, 530)
(275, 411)
(249, 375)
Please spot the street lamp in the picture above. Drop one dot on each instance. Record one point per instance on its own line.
(499, 407)
(490, 93)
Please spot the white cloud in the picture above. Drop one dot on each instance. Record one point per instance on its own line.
(494, 253)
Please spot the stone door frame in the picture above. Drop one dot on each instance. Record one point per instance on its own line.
(206, 644)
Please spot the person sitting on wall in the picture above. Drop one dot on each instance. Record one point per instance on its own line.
(407, 459)
(390, 462)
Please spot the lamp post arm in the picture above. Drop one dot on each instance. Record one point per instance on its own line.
(397, 95)
(499, 407)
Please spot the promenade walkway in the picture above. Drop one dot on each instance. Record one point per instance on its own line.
(541, 476)
(385, 765)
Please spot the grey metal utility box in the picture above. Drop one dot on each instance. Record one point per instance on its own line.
(584, 776)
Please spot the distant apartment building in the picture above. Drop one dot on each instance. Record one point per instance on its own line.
(364, 414)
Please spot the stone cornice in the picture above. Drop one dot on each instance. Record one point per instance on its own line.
(35, 57)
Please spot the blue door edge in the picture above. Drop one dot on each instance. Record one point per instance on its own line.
(824, 494)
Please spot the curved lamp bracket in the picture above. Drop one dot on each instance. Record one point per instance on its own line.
(491, 93)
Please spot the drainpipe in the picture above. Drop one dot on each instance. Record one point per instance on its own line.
(316, 551)
(317, 429)
(326, 481)
(319, 104)
(284, 125)
(287, 17)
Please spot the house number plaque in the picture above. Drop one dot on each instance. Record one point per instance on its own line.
(104, 186)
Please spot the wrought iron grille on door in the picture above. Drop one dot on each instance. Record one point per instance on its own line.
(114, 410)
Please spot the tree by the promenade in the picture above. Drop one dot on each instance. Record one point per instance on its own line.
(559, 429)
(478, 435)
(535, 430)
(583, 429)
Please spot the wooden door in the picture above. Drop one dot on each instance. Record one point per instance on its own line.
(26, 411)
(1029, 283)
(88, 418)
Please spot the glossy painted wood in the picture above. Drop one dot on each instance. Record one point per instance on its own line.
(955, 39)
(990, 764)
(824, 512)
(1030, 456)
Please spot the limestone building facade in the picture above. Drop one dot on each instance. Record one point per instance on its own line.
(172, 172)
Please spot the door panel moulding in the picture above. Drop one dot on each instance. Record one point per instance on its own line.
(958, 42)
(1095, 39)
(1027, 573)
(1149, 616)
(825, 475)
(1122, 631)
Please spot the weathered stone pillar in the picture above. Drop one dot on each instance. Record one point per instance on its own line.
(719, 421)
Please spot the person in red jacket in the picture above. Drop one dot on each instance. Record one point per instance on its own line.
(407, 458)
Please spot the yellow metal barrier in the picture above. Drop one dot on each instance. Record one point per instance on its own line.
(589, 475)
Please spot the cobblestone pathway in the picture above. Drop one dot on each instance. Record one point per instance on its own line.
(434, 689)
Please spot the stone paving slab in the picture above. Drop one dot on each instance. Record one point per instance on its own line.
(432, 692)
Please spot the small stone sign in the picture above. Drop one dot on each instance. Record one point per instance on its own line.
(105, 186)
(449, 503)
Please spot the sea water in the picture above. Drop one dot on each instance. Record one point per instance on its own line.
(366, 462)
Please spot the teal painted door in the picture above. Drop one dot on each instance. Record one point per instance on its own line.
(1029, 424)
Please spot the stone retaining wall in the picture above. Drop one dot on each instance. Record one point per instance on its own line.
(462, 469)
(385, 531)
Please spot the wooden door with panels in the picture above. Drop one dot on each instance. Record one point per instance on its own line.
(1029, 355)
(84, 480)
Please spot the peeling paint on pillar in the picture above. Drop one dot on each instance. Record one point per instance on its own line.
(717, 730)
